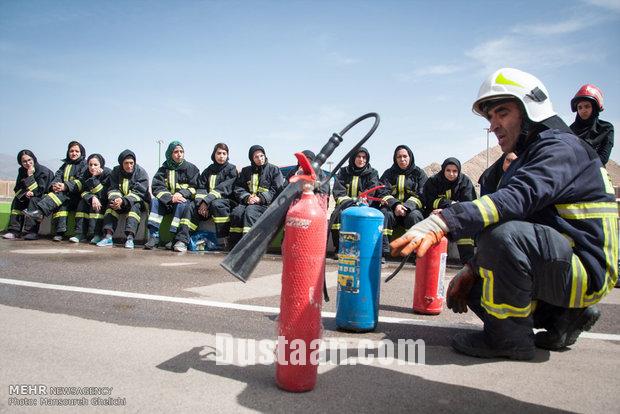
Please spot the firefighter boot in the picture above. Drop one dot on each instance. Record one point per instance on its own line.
(565, 326)
(510, 338)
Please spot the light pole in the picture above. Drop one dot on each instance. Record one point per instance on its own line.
(161, 141)
(488, 131)
(329, 164)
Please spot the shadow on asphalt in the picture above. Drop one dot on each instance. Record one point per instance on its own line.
(347, 388)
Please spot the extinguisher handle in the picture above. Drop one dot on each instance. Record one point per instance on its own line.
(308, 172)
(364, 195)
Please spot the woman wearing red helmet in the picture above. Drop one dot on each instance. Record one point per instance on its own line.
(588, 102)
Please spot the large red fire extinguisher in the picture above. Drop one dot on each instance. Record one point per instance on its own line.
(303, 271)
(430, 270)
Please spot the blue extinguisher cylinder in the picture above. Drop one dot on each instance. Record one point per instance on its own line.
(359, 269)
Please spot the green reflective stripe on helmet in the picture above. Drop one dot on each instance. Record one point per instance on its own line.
(502, 80)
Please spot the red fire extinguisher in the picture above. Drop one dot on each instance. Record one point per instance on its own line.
(430, 270)
(303, 271)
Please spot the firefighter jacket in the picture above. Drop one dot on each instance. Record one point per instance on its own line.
(559, 181)
(38, 182)
(95, 185)
(441, 193)
(404, 186)
(599, 134)
(183, 180)
(351, 180)
(132, 187)
(265, 181)
(70, 172)
(216, 181)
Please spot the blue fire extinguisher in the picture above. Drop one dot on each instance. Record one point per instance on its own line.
(359, 266)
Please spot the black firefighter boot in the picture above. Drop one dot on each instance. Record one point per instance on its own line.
(565, 326)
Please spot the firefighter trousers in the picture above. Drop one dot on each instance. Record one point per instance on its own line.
(335, 221)
(242, 218)
(87, 221)
(219, 212)
(18, 221)
(58, 206)
(391, 220)
(159, 210)
(133, 211)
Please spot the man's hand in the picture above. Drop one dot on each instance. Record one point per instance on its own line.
(400, 211)
(459, 288)
(178, 198)
(203, 210)
(420, 237)
(96, 204)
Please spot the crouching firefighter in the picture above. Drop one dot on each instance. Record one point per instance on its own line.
(128, 194)
(255, 188)
(213, 199)
(547, 238)
(174, 186)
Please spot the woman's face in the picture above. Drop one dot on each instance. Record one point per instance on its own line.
(451, 172)
(128, 165)
(74, 152)
(27, 161)
(402, 158)
(177, 154)
(221, 155)
(259, 158)
(361, 160)
(584, 109)
(93, 165)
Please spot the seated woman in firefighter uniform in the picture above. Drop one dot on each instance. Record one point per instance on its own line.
(90, 209)
(213, 199)
(64, 194)
(255, 188)
(32, 181)
(174, 187)
(350, 181)
(402, 202)
(128, 194)
(445, 188)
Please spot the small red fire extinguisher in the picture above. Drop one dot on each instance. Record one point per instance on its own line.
(430, 270)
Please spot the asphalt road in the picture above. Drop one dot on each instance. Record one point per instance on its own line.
(137, 330)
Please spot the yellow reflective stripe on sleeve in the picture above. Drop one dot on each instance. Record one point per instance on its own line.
(84, 194)
(155, 217)
(79, 184)
(417, 201)
(246, 229)
(579, 283)
(114, 194)
(401, 187)
(162, 193)
(182, 186)
(55, 198)
(96, 216)
(175, 222)
(200, 196)
(59, 214)
(212, 181)
(17, 212)
(341, 199)
(125, 186)
(387, 197)
(215, 193)
(97, 188)
(388, 232)
(79, 214)
(133, 196)
(187, 222)
(192, 190)
(262, 189)
(134, 215)
(580, 211)
(33, 186)
(465, 242)
(610, 248)
(449, 195)
(111, 212)
(336, 226)
(67, 173)
(436, 202)
(487, 209)
(499, 310)
(609, 188)
(254, 184)
(18, 193)
(236, 230)
(355, 181)
(221, 220)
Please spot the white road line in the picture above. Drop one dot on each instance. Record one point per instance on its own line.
(250, 308)
(50, 251)
(174, 264)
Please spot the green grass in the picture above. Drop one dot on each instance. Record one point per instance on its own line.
(5, 211)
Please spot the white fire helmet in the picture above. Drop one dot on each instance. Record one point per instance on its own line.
(509, 83)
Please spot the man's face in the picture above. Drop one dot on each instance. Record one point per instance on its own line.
(259, 158)
(451, 172)
(584, 109)
(177, 154)
(74, 152)
(128, 165)
(402, 158)
(221, 155)
(506, 120)
(360, 160)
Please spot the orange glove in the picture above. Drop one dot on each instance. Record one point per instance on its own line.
(459, 288)
(420, 237)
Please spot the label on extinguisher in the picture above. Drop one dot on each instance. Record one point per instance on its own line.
(348, 262)
(441, 293)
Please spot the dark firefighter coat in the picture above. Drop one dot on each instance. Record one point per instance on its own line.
(264, 181)
(441, 193)
(183, 180)
(559, 181)
(599, 134)
(351, 181)
(38, 182)
(216, 181)
(70, 173)
(95, 185)
(404, 186)
(132, 187)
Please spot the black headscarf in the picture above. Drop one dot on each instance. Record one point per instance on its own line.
(122, 157)
(353, 168)
(252, 150)
(395, 168)
(447, 184)
(216, 167)
(583, 128)
(80, 158)
(22, 172)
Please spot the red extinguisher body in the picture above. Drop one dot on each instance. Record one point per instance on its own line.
(428, 289)
(303, 271)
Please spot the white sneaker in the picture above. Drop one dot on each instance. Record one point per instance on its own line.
(57, 238)
(9, 236)
(74, 239)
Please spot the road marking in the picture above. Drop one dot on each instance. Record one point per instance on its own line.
(50, 251)
(251, 308)
(174, 264)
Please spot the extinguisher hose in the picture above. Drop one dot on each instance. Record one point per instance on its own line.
(398, 269)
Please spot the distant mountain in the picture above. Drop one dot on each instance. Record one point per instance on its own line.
(8, 166)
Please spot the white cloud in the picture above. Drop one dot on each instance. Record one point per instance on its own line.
(341, 60)
(613, 5)
(422, 73)
(544, 29)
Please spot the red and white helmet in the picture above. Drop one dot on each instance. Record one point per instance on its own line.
(588, 92)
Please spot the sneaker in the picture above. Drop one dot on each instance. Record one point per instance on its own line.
(180, 247)
(169, 245)
(31, 236)
(106, 242)
(566, 328)
(34, 214)
(57, 238)
(74, 239)
(475, 344)
(129, 243)
(152, 242)
(95, 239)
(9, 236)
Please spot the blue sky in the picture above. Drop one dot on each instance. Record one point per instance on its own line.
(285, 74)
